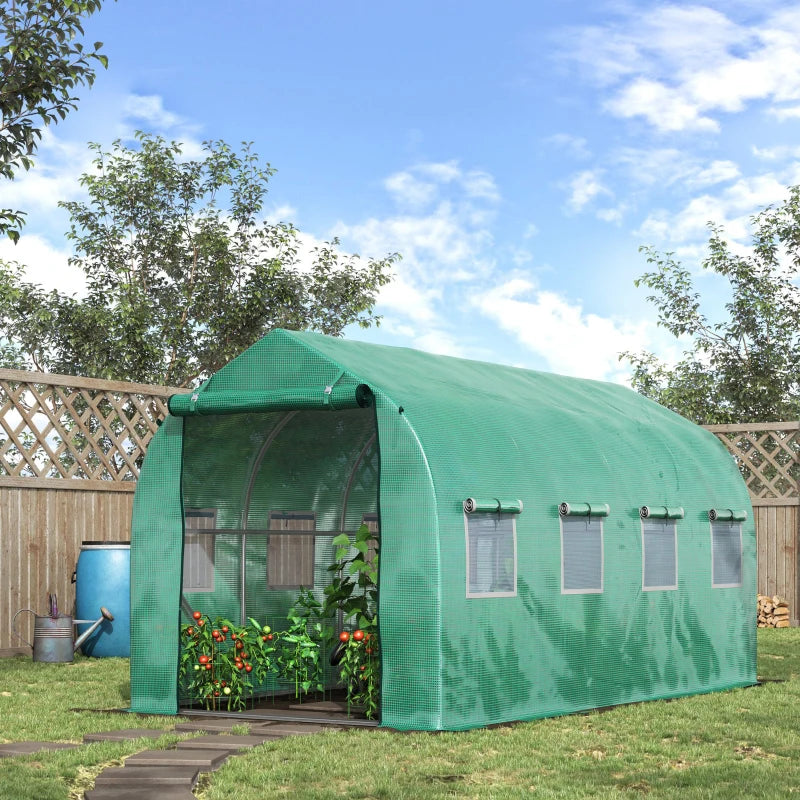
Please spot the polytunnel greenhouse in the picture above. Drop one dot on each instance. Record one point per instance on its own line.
(493, 543)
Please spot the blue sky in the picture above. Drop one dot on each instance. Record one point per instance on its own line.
(517, 154)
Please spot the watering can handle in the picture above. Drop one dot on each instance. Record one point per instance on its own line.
(14, 628)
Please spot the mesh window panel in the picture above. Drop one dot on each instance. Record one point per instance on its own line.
(659, 570)
(582, 555)
(198, 550)
(290, 557)
(726, 546)
(492, 555)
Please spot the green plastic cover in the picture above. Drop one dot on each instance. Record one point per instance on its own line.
(435, 431)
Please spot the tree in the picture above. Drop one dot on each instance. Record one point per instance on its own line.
(745, 368)
(42, 62)
(177, 285)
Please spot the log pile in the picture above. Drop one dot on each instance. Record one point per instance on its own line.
(773, 612)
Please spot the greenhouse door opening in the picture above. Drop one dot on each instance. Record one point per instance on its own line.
(280, 562)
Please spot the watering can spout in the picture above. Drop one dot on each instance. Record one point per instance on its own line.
(106, 614)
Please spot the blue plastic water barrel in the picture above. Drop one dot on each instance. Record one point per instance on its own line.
(103, 578)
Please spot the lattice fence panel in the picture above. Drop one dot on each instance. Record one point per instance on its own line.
(768, 456)
(63, 427)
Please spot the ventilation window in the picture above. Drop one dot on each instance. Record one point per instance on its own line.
(660, 546)
(726, 547)
(659, 554)
(198, 549)
(491, 554)
(290, 555)
(582, 547)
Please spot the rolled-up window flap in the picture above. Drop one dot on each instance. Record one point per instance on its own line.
(661, 512)
(497, 505)
(584, 509)
(727, 515)
(340, 396)
(510, 505)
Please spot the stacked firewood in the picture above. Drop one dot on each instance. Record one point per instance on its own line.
(773, 612)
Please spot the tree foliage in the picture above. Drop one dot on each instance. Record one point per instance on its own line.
(42, 63)
(745, 368)
(182, 270)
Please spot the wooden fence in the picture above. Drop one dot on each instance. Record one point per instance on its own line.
(71, 448)
(70, 452)
(768, 455)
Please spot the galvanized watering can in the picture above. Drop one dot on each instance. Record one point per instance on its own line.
(52, 636)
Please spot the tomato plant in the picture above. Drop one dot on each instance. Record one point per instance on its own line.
(299, 655)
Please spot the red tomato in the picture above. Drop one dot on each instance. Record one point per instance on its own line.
(202, 660)
(368, 636)
(248, 667)
(239, 665)
(215, 633)
(233, 636)
(208, 666)
(264, 638)
(344, 636)
(223, 684)
(240, 645)
(225, 628)
(269, 637)
(216, 694)
(189, 631)
(197, 615)
(358, 635)
(201, 622)
(363, 667)
(244, 655)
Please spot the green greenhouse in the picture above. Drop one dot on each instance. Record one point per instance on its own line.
(546, 544)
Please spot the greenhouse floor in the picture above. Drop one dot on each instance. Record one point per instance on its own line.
(328, 709)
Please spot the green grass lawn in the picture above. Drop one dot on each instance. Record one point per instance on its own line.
(743, 743)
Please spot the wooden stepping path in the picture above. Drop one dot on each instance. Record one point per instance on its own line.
(205, 760)
(229, 742)
(27, 748)
(211, 725)
(124, 735)
(130, 777)
(140, 793)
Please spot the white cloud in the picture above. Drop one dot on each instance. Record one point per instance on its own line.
(44, 264)
(150, 109)
(54, 177)
(583, 188)
(715, 172)
(575, 146)
(409, 191)
(732, 208)
(571, 341)
(785, 112)
(680, 67)
(784, 152)
(611, 214)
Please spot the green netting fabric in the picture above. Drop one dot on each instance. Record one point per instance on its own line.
(156, 547)
(267, 452)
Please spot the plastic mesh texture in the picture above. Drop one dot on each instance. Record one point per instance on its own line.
(156, 562)
(447, 430)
